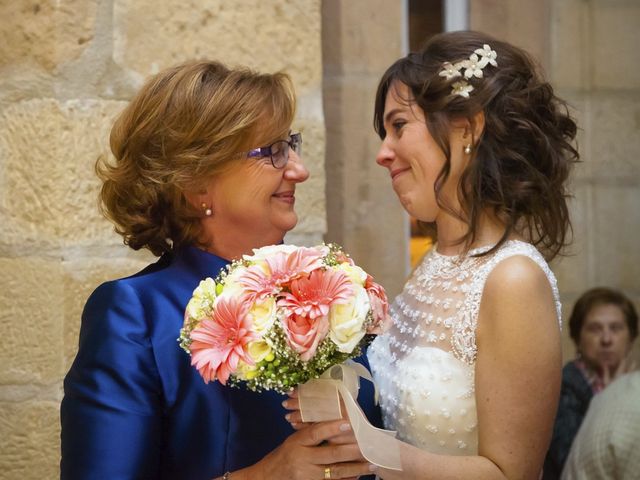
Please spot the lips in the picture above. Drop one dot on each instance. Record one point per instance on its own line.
(398, 171)
(288, 196)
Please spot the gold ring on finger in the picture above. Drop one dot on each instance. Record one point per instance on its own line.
(327, 473)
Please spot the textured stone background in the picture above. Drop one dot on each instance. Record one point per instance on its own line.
(67, 67)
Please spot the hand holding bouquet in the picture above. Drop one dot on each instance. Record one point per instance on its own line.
(282, 316)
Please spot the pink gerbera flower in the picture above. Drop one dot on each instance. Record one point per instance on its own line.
(220, 342)
(312, 296)
(283, 267)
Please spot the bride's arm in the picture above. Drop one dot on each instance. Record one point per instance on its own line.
(518, 373)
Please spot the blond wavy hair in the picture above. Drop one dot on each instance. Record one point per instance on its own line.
(187, 124)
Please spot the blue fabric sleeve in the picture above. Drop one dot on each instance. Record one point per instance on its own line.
(111, 414)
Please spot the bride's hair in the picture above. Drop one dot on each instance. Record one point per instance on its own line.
(521, 160)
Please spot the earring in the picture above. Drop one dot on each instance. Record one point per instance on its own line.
(467, 149)
(207, 210)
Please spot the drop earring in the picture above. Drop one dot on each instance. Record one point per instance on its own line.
(467, 149)
(207, 210)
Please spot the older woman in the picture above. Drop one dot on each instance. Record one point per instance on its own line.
(603, 326)
(205, 170)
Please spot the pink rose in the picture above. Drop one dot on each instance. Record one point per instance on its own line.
(379, 306)
(305, 333)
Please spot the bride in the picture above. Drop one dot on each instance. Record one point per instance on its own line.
(478, 146)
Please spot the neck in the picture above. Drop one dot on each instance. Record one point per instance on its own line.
(451, 230)
(234, 250)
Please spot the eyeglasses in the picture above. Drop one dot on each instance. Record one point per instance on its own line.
(279, 151)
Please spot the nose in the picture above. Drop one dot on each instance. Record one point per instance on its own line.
(606, 337)
(295, 170)
(385, 154)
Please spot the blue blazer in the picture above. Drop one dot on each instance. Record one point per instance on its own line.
(135, 408)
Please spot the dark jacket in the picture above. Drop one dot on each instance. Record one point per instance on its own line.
(575, 396)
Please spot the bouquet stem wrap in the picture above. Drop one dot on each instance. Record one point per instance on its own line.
(319, 400)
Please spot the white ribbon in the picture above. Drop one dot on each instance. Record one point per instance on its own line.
(320, 401)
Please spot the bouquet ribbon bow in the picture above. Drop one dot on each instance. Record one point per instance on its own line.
(319, 400)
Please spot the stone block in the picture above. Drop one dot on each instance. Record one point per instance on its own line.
(363, 212)
(569, 39)
(615, 225)
(614, 44)
(49, 191)
(46, 33)
(83, 275)
(573, 271)
(29, 440)
(310, 195)
(613, 125)
(31, 295)
(266, 35)
(520, 22)
(361, 36)
(579, 104)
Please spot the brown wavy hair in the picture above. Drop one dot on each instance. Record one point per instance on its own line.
(187, 124)
(522, 159)
(601, 296)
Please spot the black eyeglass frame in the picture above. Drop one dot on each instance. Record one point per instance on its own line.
(279, 162)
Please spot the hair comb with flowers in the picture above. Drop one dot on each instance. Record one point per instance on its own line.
(480, 58)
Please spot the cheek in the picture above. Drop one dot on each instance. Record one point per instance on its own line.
(587, 343)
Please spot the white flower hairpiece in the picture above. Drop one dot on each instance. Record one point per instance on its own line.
(478, 60)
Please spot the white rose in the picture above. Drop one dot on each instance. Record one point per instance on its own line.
(269, 251)
(347, 320)
(206, 289)
(263, 315)
(355, 273)
(244, 371)
(233, 289)
(259, 350)
(203, 299)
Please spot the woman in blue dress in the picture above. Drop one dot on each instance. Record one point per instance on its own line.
(205, 170)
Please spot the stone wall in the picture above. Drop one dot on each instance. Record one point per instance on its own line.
(66, 69)
(588, 49)
(361, 38)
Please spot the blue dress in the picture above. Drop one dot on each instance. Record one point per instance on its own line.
(135, 408)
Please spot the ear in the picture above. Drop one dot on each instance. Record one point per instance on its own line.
(199, 199)
(472, 127)
(477, 126)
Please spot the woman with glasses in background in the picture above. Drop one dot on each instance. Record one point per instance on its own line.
(189, 184)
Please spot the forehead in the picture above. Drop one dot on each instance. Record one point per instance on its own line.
(398, 95)
(399, 99)
(605, 314)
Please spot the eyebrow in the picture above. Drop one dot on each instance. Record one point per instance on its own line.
(388, 115)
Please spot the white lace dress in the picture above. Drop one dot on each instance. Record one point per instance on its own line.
(424, 365)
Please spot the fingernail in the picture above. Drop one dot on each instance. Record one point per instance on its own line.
(373, 468)
(287, 417)
(345, 427)
(285, 404)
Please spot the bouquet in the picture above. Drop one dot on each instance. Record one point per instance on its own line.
(282, 316)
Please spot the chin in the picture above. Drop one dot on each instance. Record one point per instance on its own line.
(287, 223)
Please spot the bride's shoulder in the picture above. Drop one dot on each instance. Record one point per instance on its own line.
(519, 288)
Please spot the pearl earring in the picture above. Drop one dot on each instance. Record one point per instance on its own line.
(467, 149)
(207, 210)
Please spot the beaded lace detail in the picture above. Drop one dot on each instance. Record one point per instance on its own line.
(425, 364)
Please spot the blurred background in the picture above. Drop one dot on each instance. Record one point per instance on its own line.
(67, 67)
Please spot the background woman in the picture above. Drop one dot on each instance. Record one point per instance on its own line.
(603, 326)
(206, 170)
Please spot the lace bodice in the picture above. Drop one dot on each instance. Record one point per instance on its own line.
(424, 365)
